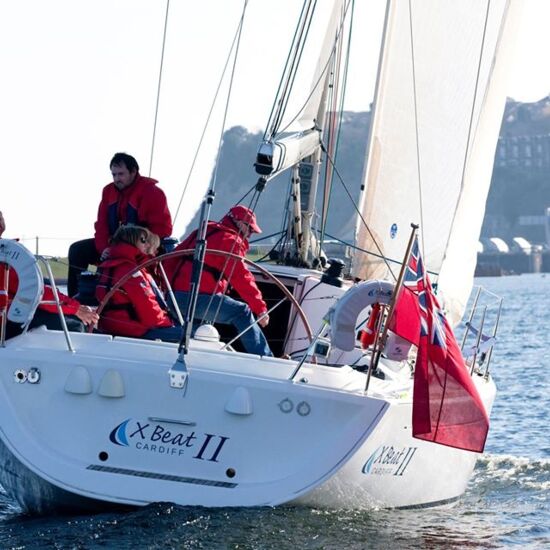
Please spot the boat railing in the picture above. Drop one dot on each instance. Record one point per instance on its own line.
(480, 331)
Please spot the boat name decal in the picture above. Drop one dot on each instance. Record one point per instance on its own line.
(157, 439)
(389, 460)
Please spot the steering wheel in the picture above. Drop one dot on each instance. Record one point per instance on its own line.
(229, 255)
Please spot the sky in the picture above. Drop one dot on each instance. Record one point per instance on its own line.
(79, 82)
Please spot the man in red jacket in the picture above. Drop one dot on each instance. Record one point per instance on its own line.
(230, 235)
(129, 199)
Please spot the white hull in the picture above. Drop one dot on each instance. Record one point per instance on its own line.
(241, 434)
(104, 423)
(394, 470)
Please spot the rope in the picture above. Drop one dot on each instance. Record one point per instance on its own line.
(283, 91)
(321, 76)
(329, 176)
(329, 158)
(158, 88)
(416, 125)
(236, 37)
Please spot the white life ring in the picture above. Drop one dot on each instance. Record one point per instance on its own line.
(31, 284)
(342, 317)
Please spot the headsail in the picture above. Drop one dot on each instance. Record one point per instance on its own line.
(438, 107)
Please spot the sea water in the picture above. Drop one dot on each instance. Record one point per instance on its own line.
(506, 503)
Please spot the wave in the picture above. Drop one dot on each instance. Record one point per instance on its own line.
(509, 471)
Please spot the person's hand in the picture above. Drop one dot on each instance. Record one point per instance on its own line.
(263, 320)
(104, 255)
(87, 315)
(2, 224)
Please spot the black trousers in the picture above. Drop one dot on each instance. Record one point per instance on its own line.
(51, 320)
(81, 254)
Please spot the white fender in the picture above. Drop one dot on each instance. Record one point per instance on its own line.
(342, 317)
(31, 284)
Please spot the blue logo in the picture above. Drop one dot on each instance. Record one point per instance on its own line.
(118, 435)
(389, 460)
(393, 231)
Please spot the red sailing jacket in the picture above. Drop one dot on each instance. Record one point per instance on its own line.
(69, 306)
(219, 236)
(142, 203)
(133, 309)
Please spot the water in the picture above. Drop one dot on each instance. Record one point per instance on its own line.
(506, 503)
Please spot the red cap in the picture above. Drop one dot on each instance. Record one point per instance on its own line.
(245, 215)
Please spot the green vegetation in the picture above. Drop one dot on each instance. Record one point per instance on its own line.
(59, 268)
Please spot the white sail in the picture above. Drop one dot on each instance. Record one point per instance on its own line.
(438, 108)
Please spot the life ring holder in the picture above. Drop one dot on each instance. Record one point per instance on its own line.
(31, 283)
(342, 317)
(229, 255)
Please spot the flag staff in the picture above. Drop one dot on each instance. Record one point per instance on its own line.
(380, 341)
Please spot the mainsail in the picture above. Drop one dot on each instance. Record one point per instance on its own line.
(438, 107)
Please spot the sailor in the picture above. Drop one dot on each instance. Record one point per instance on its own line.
(219, 272)
(134, 309)
(129, 198)
(77, 316)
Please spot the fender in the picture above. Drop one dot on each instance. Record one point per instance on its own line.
(342, 317)
(31, 284)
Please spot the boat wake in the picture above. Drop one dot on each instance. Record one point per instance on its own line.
(507, 471)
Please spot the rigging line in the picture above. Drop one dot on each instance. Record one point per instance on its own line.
(289, 69)
(370, 253)
(328, 181)
(231, 80)
(470, 126)
(285, 219)
(322, 75)
(413, 67)
(282, 79)
(331, 131)
(292, 77)
(260, 260)
(264, 237)
(199, 146)
(329, 158)
(158, 88)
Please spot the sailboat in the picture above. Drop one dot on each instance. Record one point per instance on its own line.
(90, 421)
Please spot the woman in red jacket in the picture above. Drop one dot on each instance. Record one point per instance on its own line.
(135, 308)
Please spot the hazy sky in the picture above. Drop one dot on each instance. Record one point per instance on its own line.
(79, 82)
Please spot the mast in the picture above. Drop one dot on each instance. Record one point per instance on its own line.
(298, 145)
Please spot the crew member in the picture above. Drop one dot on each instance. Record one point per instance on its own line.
(77, 316)
(134, 309)
(231, 234)
(129, 199)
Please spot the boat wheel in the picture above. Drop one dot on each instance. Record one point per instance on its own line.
(189, 252)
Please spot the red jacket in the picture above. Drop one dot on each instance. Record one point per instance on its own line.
(141, 203)
(69, 306)
(133, 309)
(219, 236)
